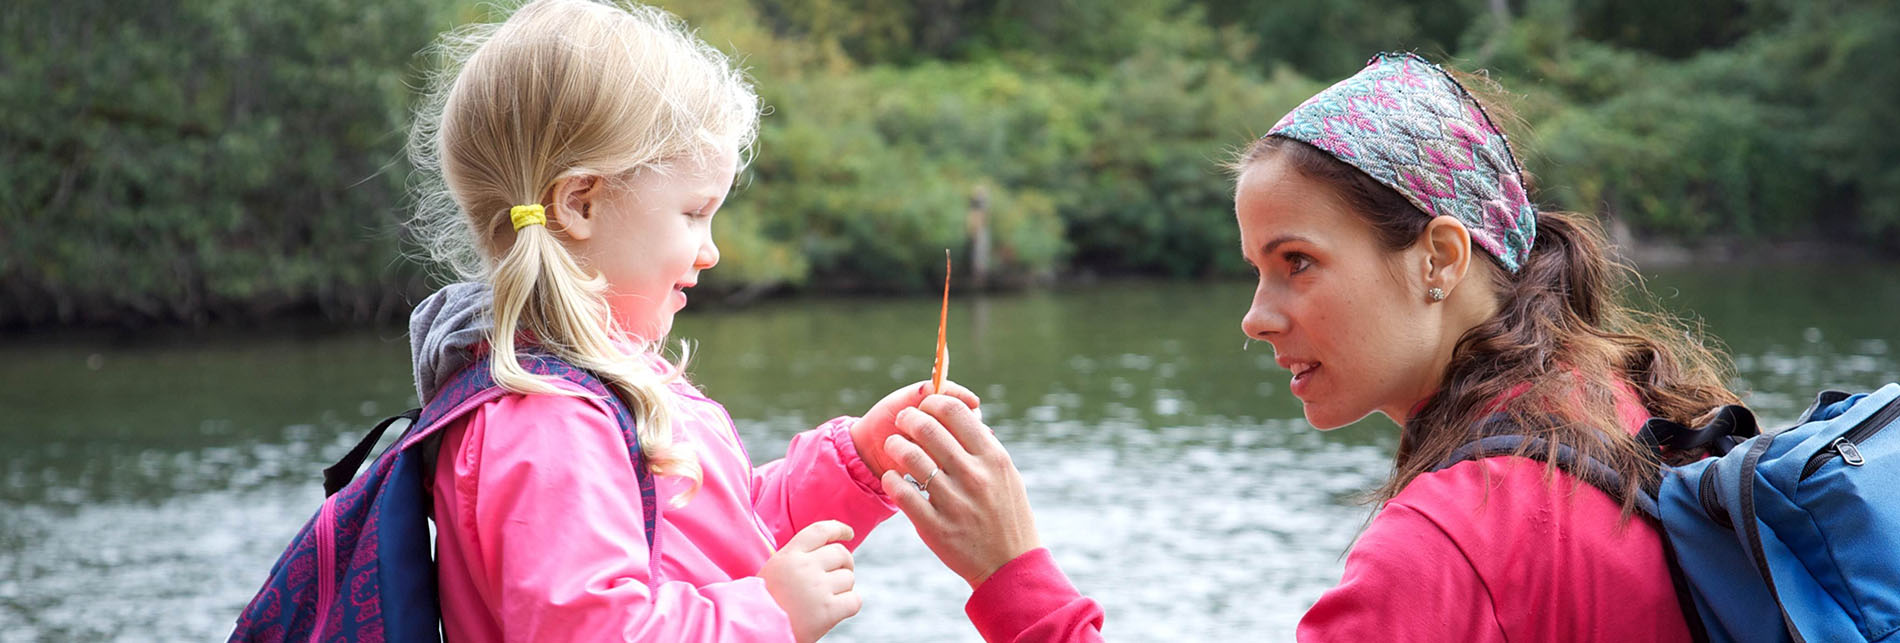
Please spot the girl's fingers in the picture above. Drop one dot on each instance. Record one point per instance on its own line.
(957, 391)
(834, 556)
(817, 534)
(839, 581)
(847, 603)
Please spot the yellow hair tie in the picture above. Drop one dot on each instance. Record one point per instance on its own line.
(527, 215)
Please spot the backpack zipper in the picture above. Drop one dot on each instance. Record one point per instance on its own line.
(1845, 446)
(326, 567)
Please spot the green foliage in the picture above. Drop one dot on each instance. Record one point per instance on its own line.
(1334, 39)
(871, 174)
(219, 157)
(1782, 134)
(230, 159)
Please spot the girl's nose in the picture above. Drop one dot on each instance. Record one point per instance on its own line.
(708, 255)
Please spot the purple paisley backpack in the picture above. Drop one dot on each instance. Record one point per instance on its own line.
(362, 570)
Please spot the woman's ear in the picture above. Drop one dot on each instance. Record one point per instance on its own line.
(570, 210)
(1447, 246)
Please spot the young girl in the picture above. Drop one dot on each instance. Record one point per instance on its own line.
(1404, 271)
(582, 151)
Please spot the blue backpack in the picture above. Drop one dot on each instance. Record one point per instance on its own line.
(1792, 535)
(363, 568)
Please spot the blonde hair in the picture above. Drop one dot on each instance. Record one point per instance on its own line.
(565, 89)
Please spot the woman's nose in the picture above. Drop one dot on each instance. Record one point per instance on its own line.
(1263, 320)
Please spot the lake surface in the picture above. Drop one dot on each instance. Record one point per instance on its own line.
(148, 484)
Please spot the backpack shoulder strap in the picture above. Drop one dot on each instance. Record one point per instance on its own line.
(473, 386)
(1584, 468)
(1500, 436)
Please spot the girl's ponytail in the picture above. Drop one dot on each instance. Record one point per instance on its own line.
(544, 296)
(565, 89)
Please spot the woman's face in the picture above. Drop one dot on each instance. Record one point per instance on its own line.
(1348, 317)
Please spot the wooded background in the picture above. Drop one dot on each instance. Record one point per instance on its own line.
(206, 160)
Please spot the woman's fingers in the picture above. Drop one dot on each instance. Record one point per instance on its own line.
(962, 424)
(925, 431)
(909, 500)
(907, 458)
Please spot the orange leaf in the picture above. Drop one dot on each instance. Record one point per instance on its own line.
(942, 368)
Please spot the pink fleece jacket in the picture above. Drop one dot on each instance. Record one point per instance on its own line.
(1488, 550)
(540, 536)
(1029, 600)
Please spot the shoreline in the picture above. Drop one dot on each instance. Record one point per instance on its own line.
(1641, 254)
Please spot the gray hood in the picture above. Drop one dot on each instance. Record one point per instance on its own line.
(443, 329)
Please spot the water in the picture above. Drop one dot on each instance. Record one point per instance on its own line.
(148, 484)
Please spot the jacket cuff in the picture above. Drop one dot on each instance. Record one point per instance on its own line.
(839, 431)
(1019, 595)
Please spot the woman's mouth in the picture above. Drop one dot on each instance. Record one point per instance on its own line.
(1303, 373)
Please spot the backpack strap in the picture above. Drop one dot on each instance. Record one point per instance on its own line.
(1566, 459)
(1730, 426)
(1501, 436)
(339, 475)
(473, 386)
(1751, 530)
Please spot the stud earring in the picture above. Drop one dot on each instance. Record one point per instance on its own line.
(1437, 294)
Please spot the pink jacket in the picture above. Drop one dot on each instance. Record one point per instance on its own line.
(1028, 600)
(1488, 550)
(540, 536)
(1483, 551)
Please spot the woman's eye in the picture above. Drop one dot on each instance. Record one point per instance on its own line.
(1298, 262)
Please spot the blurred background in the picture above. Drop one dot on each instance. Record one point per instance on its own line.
(203, 274)
(228, 159)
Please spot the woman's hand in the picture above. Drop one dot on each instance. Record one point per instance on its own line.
(870, 431)
(811, 578)
(971, 511)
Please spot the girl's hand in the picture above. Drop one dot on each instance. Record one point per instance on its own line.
(811, 578)
(976, 516)
(869, 433)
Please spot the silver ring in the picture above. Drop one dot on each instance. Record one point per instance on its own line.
(925, 485)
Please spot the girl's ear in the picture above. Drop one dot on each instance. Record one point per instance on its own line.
(570, 206)
(1447, 246)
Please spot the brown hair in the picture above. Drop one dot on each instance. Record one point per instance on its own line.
(1561, 335)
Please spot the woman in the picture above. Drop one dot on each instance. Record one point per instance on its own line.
(1403, 270)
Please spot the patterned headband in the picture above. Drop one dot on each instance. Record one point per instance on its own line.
(1405, 122)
